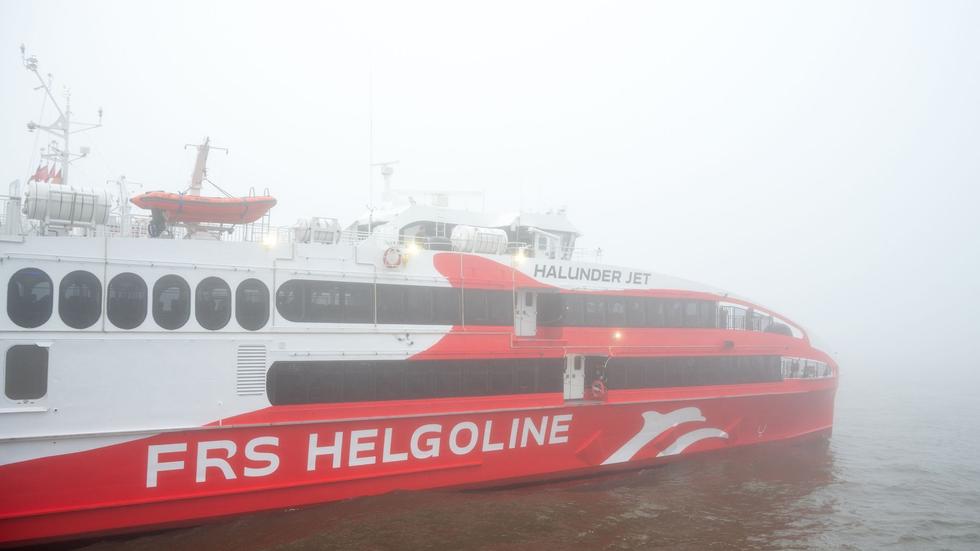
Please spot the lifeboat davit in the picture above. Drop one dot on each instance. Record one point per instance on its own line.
(197, 209)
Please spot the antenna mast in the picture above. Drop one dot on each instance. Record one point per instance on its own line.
(60, 128)
(386, 171)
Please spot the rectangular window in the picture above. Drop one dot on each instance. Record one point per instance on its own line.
(359, 382)
(675, 312)
(656, 312)
(615, 311)
(391, 382)
(323, 385)
(420, 380)
(447, 306)
(391, 304)
(636, 315)
(595, 310)
(501, 307)
(573, 311)
(475, 380)
(549, 309)
(358, 302)
(475, 308)
(502, 378)
(26, 372)
(551, 375)
(447, 380)
(418, 304)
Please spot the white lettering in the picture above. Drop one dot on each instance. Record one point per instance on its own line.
(558, 428)
(356, 447)
(513, 433)
(270, 458)
(154, 466)
(334, 449)
(432, 443)
(487, 445)
(204, 462)
(534, 430)
(386, 455)
(470, 444)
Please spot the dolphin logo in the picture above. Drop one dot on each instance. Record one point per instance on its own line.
(655, 424)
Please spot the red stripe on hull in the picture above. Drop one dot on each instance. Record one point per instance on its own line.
(141, 484)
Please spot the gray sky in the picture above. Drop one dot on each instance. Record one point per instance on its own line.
(822, 158)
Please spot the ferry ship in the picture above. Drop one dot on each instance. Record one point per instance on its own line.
(161, 370)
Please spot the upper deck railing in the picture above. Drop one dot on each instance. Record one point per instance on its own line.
(262, 232)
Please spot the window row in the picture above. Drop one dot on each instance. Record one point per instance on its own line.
(623, 311)
(364, 381)
(624, 373)
(312, 301)
(128, 300)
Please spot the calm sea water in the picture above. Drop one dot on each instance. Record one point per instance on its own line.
(901, 471)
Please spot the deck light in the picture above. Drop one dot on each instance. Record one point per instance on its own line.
(412, 249)
(617, 335)
(519, 257)
(269, 240)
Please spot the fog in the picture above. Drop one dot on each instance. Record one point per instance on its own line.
(820, 158)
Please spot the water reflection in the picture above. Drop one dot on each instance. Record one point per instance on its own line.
(769, 497)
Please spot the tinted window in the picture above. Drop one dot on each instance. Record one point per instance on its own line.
(126, 301)
(549, 309)
(418, 304)
(326, 301)
(252, 304)
(595, 310)
(290, 300)
(26, 372)
(501, 305)
(475, 308)
(29, 297)
(212, 303)
(615, 311)
(80, 299)
(675, 312)
(447, 306)
(358, 381)
(391, 304)
(171, 302)
(691, 371)
(636, 315)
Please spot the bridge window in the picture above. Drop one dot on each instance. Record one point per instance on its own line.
(80, 299)
(171, 302)
(126, 301)
(325, 301)
(212, 304)
(29, 297)
(252, 304)
(26, 372)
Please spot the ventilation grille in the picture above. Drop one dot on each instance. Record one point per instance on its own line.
(250, 377)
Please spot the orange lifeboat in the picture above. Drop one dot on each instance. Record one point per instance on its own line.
(197, 209)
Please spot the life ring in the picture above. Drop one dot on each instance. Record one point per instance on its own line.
(392, 258)
(598, 389)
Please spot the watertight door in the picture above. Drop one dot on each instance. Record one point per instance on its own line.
(574, 377)
(526, 313)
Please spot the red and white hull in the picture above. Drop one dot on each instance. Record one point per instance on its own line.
(263, 462)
